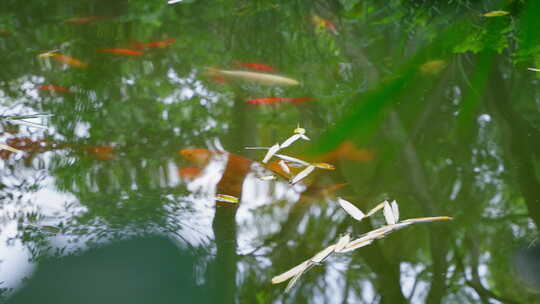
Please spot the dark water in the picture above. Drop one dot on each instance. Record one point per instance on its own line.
(429, 104)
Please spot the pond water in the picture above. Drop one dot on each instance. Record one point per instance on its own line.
(133, 117)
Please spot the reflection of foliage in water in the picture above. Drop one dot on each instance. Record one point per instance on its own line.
(461, 140)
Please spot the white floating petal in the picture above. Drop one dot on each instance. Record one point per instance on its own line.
(292, 159)
(302, 136)
(351, 209)
(300, 176)
(533, 69)
(395, 210)
(290, 140)
(342, 242)
(299, 130)
(270, 153)
(388, 214)
(324, 166)
(284, 166)
(267, 177)
(319, 257)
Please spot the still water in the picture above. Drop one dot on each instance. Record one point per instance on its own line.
(132, 118)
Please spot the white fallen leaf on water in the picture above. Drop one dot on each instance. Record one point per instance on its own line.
(533, 69)
(290, 140)
(174, 1)
(319, 257)
(388, 214)
(284, 166)
(351, 209)
(342, 242)
(270, 153)
(302, 136)
(11, 149)
(292, 159)
(395, 210)
(227, 198)
(300, 176)
(290, 273)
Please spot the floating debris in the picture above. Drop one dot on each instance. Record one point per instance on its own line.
(303, 174)
(344, 245)
(533, 69)
(267, 177)
(351, 209)
(270, 153)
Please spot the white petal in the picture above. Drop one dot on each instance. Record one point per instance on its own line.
(296, 277)
(304, 137)
(319, 257)
(351, 209)
(300, 176)
(388, 214)
(533, 69)
(395, 210)
(267, 177)
(342, 242)
(290, 273)
(292, 159)
(324, 166)
(284, 166)
(289, 141)
(270, 153)
(375, 209)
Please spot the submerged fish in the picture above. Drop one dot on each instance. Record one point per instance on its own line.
(73, 62)
(121, 52)
(190, 173)
(260, 78)
(53, 88)
(101, 152)
(277, 100)
(81, 20)
(347, 150)
(152, 44)
(256, 66)
(324, 23)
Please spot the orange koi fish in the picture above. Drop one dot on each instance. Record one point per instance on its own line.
(53, 88)
(347, 150)
(152, 44)
(189, 173)
(101, 152)
(76, 63)
(82, 20)
(274, 100)
(256, 66)
(324, 23)
(122, 52)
